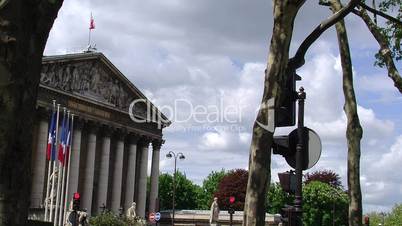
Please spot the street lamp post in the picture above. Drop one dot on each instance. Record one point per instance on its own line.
(383, 216)
(180, 156)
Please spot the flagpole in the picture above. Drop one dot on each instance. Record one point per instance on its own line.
(68, 167)
(89, 33)
(66, 135)
(49, 169)
(89, 38)
(59, 176)
(53, 158)
(56, 211)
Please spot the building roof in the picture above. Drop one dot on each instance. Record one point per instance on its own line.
(100, 57)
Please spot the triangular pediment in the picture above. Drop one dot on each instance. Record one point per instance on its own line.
(91, 75)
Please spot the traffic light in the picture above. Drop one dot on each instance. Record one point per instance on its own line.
(285, 112)
(366, 220)
(232, 199)
(287, 181)
(281, 146)
(76, 201)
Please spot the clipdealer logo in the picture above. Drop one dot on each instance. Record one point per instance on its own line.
(184, 112)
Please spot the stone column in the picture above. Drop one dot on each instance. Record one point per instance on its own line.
(156, 147)
(131, 165)
(75, 153)
(142, 182)
(104, 169)
(117, 173)
(39, 166)
(89, 170)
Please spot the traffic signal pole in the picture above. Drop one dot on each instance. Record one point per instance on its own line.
(298, 209)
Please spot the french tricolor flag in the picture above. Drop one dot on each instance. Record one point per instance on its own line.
(62, 145)
(51, 138)
(68, 141)
(91, 23)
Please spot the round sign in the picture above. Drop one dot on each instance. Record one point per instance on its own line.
(157, 216)
(152, 217)
(311, 148)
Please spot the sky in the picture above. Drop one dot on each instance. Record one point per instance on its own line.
(202, 64)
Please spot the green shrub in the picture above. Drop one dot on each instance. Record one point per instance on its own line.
(106, 219)
(110, 219)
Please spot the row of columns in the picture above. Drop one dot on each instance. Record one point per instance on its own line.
(96, 169)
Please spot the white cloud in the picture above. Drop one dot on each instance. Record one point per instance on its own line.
(214, 140)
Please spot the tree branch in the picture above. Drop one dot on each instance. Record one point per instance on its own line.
(386, 16)
(298, 60)
(385, 51)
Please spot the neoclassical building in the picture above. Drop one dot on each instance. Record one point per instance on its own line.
(109, 151)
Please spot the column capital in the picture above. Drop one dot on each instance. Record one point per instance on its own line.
(144, 141)
(133, 138)
(43, 114)
(120, 134)
(157, 144)
(92, 126)
(78, 123)
(106, 130)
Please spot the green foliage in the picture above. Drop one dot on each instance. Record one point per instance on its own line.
(110, 219)
(209, 187)
(319, 201)
(392, 31)
(395, 217)
(324, 176)
(186, 192)
(106, 219)
(277, 198)
(375, 218)
(234, 183)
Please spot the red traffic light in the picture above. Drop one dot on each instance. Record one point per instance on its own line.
(232, 199)
(366, 220)
(76, 195)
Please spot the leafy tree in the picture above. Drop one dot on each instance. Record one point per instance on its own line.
(186, 192)
(24, 29)
(392, 31)
(209, 187)
(277, 198)
(354, 130)
(394, 218)
(388, 37)
(279, 68)
(320, 200)
(234, 183)
(324, 176)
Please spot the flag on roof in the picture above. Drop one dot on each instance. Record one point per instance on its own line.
(92, 23)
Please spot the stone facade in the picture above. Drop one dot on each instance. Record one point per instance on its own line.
(109, 151)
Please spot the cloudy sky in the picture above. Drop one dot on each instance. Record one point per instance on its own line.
(209, 56)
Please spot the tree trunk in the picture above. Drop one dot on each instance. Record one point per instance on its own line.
(354, 130)
(385, 51)
(24, 29)
(285, 12)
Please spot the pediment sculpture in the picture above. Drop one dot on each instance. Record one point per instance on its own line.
(89, 79)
